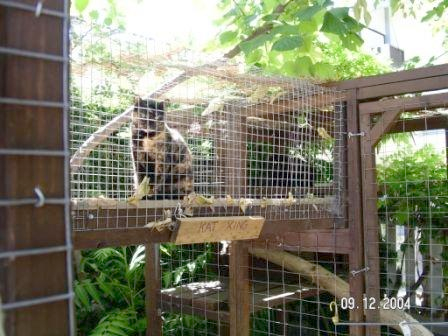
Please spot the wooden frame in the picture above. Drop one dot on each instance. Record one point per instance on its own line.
(361, 107)
(318, 235)
(35, 282)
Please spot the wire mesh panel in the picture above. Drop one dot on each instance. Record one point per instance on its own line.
(159, 131)
(412, 190)
(295, 289)
(194, 295)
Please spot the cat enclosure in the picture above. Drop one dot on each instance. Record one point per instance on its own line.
(298, 208)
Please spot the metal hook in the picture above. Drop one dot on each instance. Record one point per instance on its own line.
(350, 134)
(40, 197)
(335, 318)
(356, 272)
(39, 6)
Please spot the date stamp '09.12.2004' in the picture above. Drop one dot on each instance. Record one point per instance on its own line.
(371, 303)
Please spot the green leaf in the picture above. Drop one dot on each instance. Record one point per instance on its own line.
(304, 65)
(287, 43)
(324, 70)
(178, 275)
(94, 14)
(254, 56)
(82, 295)
(108, 21)
(357, 11)
(167, 276)
(308, 13)
(227, 36)
(285, 29)
(253, 44)
(367, 17)
(80, 5)
(91, 289)
(120, 323)
(340, 12)
(333, 24)
(165, 250)
(352, 41)
(116, 331)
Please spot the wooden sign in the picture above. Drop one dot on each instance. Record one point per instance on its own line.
(215, 229)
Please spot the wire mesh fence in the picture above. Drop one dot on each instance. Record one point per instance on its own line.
(159, 132)
(412, 189)
(201, 137)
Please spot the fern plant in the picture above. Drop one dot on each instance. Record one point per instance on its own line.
(109, 292)
(110, 288)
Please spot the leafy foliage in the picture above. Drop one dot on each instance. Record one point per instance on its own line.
(110, 287)
(412, 185)
(291, 37)
(413, 188)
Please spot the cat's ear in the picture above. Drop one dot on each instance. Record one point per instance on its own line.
(138, 101)
(160, 106)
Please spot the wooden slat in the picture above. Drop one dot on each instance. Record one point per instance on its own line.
(324, 241)
(411, 86)
(420, 124)
(26, 127)
(93, 239)
(212, 296)
(354, 215)
(177, 306)
(209, 295)
(407, 104)
(383, 125)
(152, 290)
(399, 76)
(239, 289)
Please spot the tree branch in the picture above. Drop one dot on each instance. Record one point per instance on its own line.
(421, 278)
(333, 284)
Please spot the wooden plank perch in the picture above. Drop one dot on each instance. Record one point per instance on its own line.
(112, 203)
(333, 284)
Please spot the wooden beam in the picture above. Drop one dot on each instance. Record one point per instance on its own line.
(382, 126)
(404, 87)
(406, 104)
(92, 239)
(152, 290)
(239, 289)
(424, 123)
(370, 222)
(354, 213)
(126, 236)
(324, 241)
(399, 76)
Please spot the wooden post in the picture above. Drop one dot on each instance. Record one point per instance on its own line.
(371, 224)
(239, 289)
(239, 283)
(152, 282)
(36, 287)
(356, 256)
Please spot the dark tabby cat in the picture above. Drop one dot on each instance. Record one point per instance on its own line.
(159, 152)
